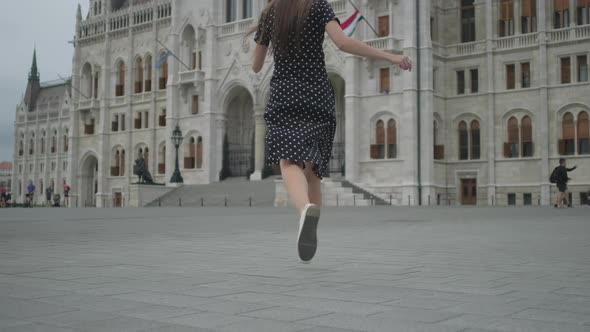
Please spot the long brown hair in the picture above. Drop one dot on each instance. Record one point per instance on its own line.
(289, 18)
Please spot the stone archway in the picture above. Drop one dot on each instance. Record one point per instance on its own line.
(238, 145)
(89, 181)
(337, 165)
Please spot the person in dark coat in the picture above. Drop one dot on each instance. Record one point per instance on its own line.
(561, 180)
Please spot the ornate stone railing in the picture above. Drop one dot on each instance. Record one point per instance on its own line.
(235, 27)
(193, 76)
(569, 34)
(385, 43)
(526, 40)
(458, 50)
(88, 104)
(161, 94)
(123, 19)
(339, 6)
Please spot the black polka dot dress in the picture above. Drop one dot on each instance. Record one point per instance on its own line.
(300, 114)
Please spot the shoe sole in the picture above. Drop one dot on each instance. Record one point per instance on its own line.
(307, 243)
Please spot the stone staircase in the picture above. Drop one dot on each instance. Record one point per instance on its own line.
(231, 192)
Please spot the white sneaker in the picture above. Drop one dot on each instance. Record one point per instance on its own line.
(307, 241)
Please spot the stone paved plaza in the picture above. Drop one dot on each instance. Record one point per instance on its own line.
(377, 269)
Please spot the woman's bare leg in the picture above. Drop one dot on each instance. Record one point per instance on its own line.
(314, 185)
(295, 183)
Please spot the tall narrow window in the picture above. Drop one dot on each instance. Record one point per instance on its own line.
(384, 80)
(467, 21)
(120, 87)
(565, 70)
(384, 30)
(199, 152)
(54, 142)
(527, 137)
(95, 91)
(510, 77)
(66, 142)
(583, 133)
(475, 140)
(474, 81)
(246, 8)
(231, 10)
(195, 105)
(511, 149)
(561, 14)
(460, 82)
(162, 160)
(583, 12)
(528, 19)
(582, 61)
(148, 74)
(525, 75)
(506, 24)
(391, 139)
(463, 141)
(439, 150)
(191, 154)
(163, 76)
(139, 75)
(378, 149)
(42, 147)
(567, 145)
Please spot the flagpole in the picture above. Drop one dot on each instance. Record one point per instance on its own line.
(174, 55)
(71, 86)
(369, 24)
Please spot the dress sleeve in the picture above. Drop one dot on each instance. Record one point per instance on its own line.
(263, 34)
(326, 13)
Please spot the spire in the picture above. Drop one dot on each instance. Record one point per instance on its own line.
(79, 13)
(34, 73)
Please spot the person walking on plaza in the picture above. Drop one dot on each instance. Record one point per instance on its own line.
(300, 114)
(66, 194)
(30, 194)
(560, 178)
(49, 195)
(3, 195)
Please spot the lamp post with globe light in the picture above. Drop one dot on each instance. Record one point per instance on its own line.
(176, 140)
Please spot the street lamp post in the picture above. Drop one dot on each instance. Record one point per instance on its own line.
(176, 140)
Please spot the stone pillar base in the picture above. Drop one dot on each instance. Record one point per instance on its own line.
(256, 176)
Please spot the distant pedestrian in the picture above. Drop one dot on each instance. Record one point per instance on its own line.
(30, 194)
(3, 195)
(66, 194)
(560, 178)
(49, 195)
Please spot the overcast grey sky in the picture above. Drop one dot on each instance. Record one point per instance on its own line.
(49, 24)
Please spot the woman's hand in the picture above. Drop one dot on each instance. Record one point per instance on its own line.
(403, 61)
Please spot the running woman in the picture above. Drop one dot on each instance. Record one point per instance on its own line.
(300, 114)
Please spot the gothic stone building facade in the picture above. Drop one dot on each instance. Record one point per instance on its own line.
(499, 95)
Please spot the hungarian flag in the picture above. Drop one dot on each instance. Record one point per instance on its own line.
(350, 24)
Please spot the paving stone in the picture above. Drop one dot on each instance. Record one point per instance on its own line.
(553, 316)
(262, 325)
(512, 324)
(207, 320)
(285, 314)
(19, 308)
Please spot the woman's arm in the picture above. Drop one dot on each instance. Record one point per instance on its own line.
(259, 57)
(356, 47)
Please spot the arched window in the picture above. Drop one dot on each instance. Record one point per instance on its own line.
(463, 141)
(148, 73)
(65, 142)
(43, 134)
(378, 149)
(190, 159)
(527, 137)
(567, 145)
(475, 140)
(199, 152)
(139, 75)
(511, 148)
(391, 139)
(162, 159)
(32, 145)
(163, 74)
(41, 191)
(146, 157)
(86, 82)
(120, 86)
(21, 146)
(583, 133)
(54, 142)
(439, 149)
(118, 162)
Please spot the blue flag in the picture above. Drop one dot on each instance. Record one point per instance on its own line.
(162, 60)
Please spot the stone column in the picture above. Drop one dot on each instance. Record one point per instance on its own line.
(572, 13)
(491, 104)
(543, 119)
(480, 19)
(259, 148)
(517, 15)
(352, 109)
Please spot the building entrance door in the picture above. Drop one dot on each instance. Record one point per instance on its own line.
(468, 192)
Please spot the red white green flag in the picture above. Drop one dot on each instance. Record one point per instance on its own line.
(351, 23)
